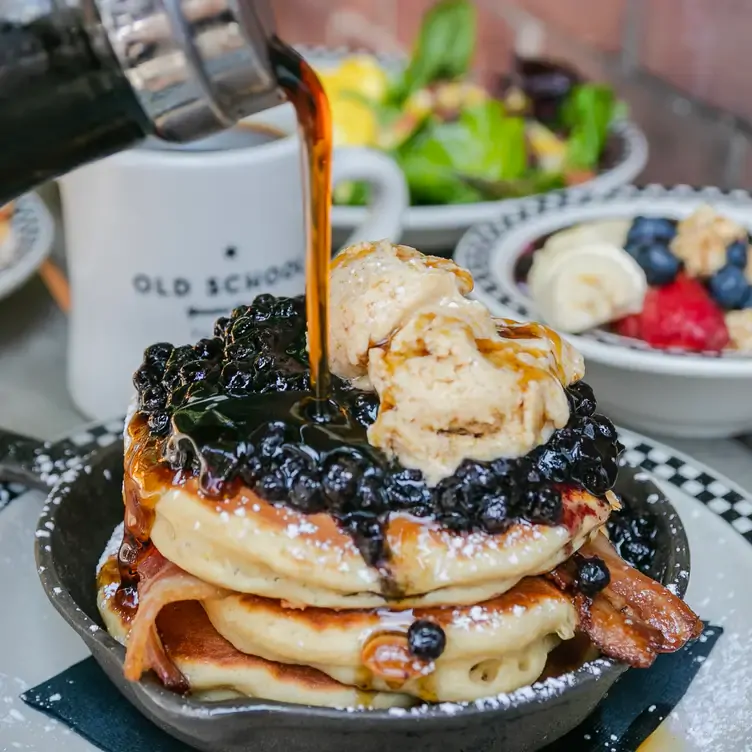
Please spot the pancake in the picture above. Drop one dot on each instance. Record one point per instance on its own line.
(216, 670)
(248, 545)
(491, 647)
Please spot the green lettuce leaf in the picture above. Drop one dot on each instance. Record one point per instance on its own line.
(587, 115)
(443, 51)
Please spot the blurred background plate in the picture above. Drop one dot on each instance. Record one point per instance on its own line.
(438, 228)
(27, 244)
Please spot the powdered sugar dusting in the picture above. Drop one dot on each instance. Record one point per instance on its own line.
(721, 691)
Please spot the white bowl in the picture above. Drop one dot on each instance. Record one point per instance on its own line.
(669, 392)
(440, 227)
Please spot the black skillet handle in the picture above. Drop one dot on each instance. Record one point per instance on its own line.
(35, 463)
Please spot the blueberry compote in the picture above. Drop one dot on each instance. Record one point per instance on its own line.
(237, 409)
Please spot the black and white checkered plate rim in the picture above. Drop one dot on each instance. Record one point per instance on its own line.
(720, 495)
(478, 248)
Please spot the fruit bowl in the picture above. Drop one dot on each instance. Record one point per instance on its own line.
(671, 391)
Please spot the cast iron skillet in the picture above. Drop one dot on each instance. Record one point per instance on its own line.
(84, 507)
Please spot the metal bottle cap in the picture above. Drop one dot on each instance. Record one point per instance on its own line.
(196, 66)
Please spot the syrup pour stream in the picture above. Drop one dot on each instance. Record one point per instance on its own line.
(304, 90)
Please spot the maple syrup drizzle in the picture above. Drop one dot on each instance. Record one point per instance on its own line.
(304, 90)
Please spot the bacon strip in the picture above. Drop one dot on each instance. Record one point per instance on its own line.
(656, 605)
(161, 582)
(634, 618)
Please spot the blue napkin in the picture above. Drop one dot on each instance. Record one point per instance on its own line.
(83, 698)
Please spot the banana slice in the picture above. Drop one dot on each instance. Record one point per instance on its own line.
(611, 231)
(578, 288)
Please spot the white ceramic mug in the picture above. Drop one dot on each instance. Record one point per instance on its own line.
(160, 242)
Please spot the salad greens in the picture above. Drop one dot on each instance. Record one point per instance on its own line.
(457, 144)
(443, 51)
(587, 115)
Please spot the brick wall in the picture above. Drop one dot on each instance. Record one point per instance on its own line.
(681, 64)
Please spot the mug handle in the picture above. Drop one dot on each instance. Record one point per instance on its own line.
(389, 195)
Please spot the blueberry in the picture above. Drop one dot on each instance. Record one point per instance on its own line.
(272, 440)
(747, 299)
(221, 326)
(603, 427)
(262, 308)
(251, 470)
(592, 575)
(159, 423)
(145, 377)
(306, 495)
(368, 533)
(370, 494)
(553, 464)
(736, 254)
(658, 263)
(547, 507)
(157, 355)
(407, 491)
(180, 355)
(208, 349)
(238, 379)
(153, 399)
(172, 379)
(365, 408)
(272, 486)
(195, 371)
(240, 328)
(581, 399)
(649, 229)
(426, 640)
(495, 512)
(476, 474)
(340, 478)
(220, 461)
(729, 287)
(243, 350)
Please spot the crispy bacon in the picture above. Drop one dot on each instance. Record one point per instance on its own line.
(160, 582)
(656, 605)
(634, 618)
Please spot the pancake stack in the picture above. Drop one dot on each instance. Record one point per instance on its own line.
(264, 555)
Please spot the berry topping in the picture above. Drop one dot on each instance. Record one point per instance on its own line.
(208, 349)
(729, 287)
(658, 263)
(736, 253)
(581, 399)
(157, 355)
(680, 314)
(426, 640)
(592, 575)
(212, 394)
(634, 535)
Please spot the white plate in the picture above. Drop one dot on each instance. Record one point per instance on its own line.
(32, 233)
(712, 717)
(668, 392)
(438, 228)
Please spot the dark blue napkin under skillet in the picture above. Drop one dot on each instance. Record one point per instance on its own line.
(83, 698)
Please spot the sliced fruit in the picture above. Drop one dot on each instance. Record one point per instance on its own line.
(581, 287)
(681, 314)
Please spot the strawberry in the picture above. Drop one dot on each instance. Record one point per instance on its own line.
(630, 326)
(680, 314)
